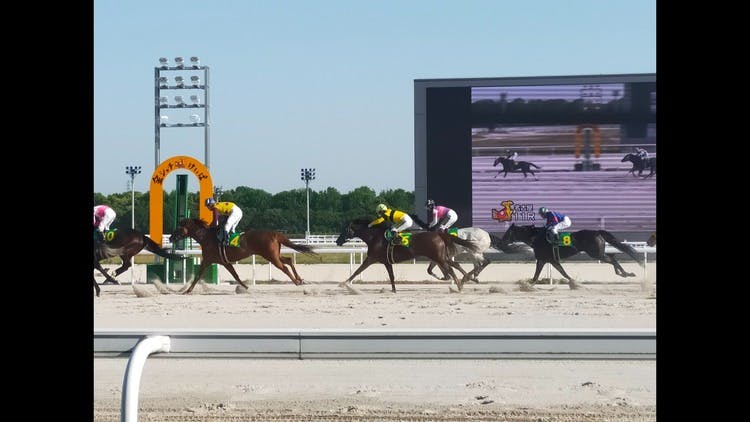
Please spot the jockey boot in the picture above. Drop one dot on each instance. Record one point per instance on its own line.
(221, 236)
(394, 237)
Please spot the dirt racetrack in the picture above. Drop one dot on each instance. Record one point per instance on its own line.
(281, 389)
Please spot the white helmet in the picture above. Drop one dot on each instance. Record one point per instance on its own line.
(380, 208)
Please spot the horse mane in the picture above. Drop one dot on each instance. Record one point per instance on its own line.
(197, 221)
(361, 221)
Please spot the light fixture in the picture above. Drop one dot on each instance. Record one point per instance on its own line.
(179, 62)
(179, 100)
(180, 81)
(195, 61)
(195, 80)
(163, 81)
(163, 100)
(163, 62)
(164, 120)
(195, 99)
(195, 119)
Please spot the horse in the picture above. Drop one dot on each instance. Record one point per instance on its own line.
(266, 243)
(437, 246)
(479, 236)
(640, 164)
(514, 166)
(592, 242)
(651, 240)
(124, 243)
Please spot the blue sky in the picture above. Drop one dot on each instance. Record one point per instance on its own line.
(328, 84)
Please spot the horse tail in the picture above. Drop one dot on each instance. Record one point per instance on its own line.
(612, 240)
(502, 245)
(468, 244)
(419, 221)
(532, 164)
(154, 247)
(305, 249)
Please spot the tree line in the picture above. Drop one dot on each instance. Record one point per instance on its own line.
(285, 211)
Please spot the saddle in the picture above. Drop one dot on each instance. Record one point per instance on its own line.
(107, 236)
(402, 239)
(564, 239)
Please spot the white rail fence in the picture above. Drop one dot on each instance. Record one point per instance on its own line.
(324, 244)
(612, 344)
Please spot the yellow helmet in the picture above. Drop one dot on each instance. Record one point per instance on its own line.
(380, 208)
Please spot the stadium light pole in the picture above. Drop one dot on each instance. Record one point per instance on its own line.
(307, 175)
(132, 171)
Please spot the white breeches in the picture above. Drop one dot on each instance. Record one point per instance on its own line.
(233, 219)
(561, 225)
(109, 217)
(452, 217)
(405, 224)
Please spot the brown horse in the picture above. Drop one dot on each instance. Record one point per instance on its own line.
(437, 246)
(125, 244)
(266, 243)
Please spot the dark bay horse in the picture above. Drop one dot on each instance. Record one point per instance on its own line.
(437, 246)
(266, 243)
(514, 166)
(651, 240)
(639, 164)
(124, 243)
(592, 242)
(475, 234)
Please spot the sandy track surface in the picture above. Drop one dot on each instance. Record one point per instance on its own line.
(272, 389)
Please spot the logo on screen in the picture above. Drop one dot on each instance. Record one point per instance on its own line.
(505, 213)
(511, 211)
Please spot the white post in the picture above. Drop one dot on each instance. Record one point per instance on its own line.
(132, 380)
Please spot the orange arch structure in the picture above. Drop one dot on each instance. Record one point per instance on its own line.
(579, 139)
(156, 191)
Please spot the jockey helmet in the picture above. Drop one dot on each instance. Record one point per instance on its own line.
(210, 201)
(429, 204)
(543, 210)
(380, 208)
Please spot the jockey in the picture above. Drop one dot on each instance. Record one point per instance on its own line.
(440, 216)
(103, 217)
(511, 155)
(642, 153)
(229, 209)
(400, 218)
(555, 221)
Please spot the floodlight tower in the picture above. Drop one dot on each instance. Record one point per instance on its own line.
(161, 102)
(307, 175)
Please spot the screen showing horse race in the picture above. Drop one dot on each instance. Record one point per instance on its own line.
(584, 146)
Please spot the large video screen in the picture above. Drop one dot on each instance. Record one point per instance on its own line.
(570, 145)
